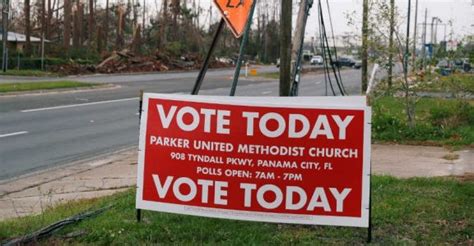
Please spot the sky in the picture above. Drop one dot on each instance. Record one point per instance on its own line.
(461, 12)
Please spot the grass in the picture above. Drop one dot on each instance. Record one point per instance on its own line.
(438, 121)
(44, 85)
(411, 211)
(270, 75)
(453, 83)
(28, 72)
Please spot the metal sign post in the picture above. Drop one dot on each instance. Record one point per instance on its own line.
(242, 50)
(205, 66)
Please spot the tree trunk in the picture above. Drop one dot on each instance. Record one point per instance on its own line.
(100, 43)
(91, 23)
(80, 13)
(75, 29)
(28, 28)
(164, 25)
(285, 48)
(43, 22)
(136, 40)
(106, 24)
(119, 42)
(176, 8)
(390, 46)
(67, 25)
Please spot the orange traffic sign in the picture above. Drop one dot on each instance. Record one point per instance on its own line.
(235, 14)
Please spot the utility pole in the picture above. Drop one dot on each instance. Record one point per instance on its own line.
(365, 34)
(414, 39)
(285, 47)
(390, 46)
(298, 40)
(423, 52)
(432, 29)
(5, 34)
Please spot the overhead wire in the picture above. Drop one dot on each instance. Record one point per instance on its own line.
(328, 50)
(334, 45)
(327, 79)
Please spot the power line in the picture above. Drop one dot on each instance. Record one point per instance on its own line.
(327, 49)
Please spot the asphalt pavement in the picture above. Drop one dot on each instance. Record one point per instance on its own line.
(53, 129)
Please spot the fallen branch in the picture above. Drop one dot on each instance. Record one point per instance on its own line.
(49, 230)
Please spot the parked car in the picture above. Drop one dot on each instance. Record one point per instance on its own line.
(317, 60)
(357, 64)
(462, 64)
(344, 62)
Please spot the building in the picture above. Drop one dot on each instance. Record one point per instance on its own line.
(17, 41)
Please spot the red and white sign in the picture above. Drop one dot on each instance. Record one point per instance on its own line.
(303, 160)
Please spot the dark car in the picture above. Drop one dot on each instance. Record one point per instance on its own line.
(358, 64)
(345, 62)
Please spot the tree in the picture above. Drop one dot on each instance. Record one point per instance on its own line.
(390, 46)
(91, 29)
(106, 24)
(27, 28)
(67, 24)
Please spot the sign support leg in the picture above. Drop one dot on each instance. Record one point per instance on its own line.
(140, 109)
(243, 43)
(139, 215)
(205, 66)
(369, 229)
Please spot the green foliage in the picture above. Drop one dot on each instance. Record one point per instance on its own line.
(84, 55)
(175, 48)
(32, 63)
(405, 211)
(44, 85)
(439, 121)
(28, 72)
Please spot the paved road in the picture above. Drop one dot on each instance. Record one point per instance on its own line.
(40, 131)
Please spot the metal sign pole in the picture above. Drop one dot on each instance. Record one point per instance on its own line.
(140, 109)
(205, 66)
(242, 50)
(369, 229)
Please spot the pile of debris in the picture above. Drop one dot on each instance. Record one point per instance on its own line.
(126, 61)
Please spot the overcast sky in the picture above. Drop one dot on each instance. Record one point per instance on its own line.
(461, 12)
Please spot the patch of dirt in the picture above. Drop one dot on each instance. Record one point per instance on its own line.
(467, 177)
(451, 156)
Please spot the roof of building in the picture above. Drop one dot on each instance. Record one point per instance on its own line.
(18, 37)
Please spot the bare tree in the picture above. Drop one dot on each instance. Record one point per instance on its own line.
(119, 42)
(91, 30)
(67, 24)
(106, 24)
(28, 28)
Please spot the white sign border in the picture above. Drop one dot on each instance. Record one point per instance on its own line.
(356, 103)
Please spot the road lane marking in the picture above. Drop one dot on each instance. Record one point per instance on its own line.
(78, 105)
(13, 134)
(266, 92)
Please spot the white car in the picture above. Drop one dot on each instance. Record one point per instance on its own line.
(317, 60)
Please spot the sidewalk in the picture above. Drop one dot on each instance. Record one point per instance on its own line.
(34, 193)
